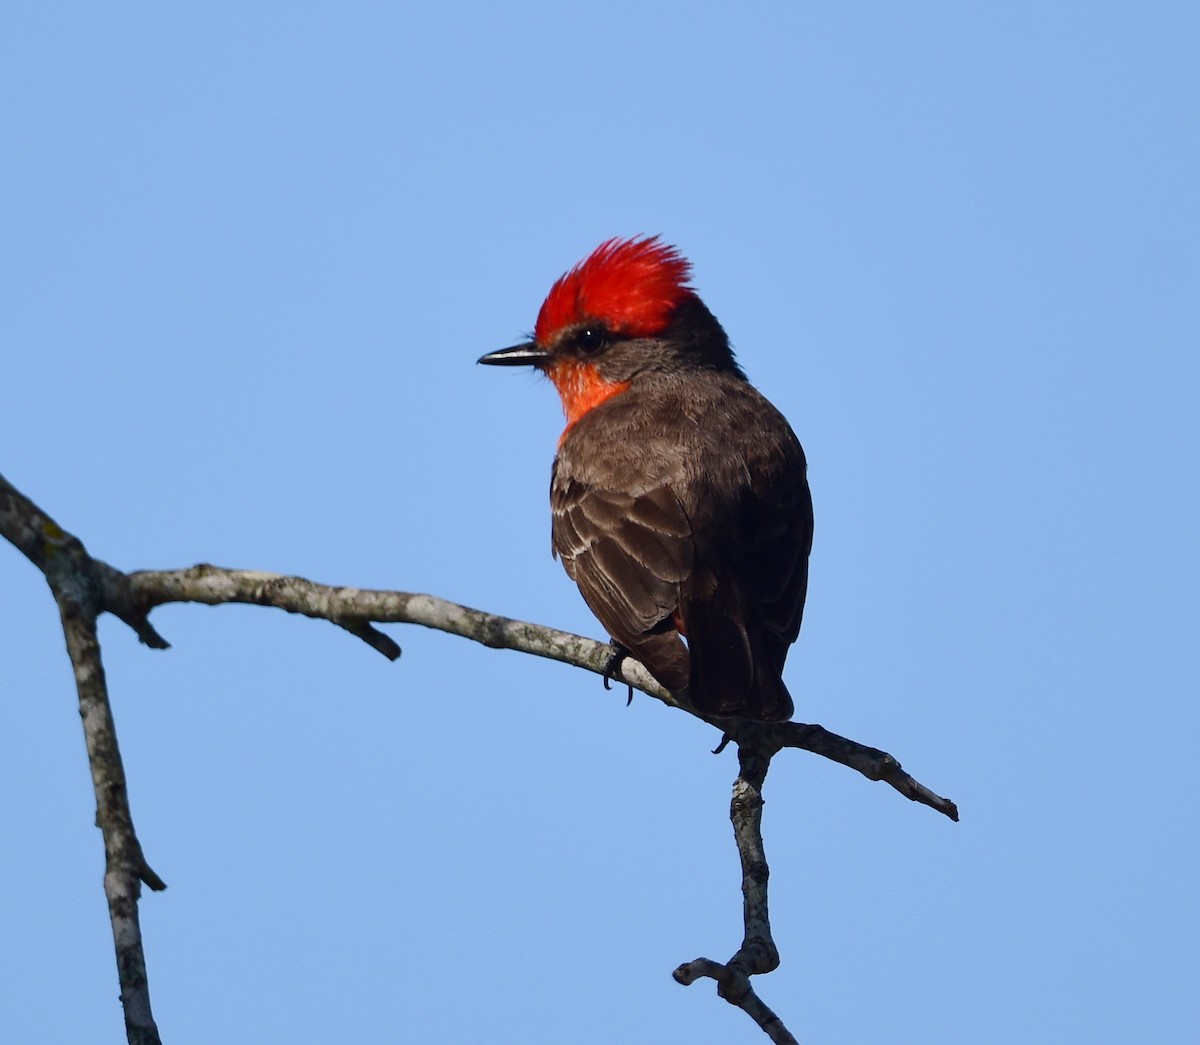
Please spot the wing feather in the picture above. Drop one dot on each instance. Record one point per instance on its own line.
(629, 554)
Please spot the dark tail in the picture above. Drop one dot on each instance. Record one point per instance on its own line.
(737, 673)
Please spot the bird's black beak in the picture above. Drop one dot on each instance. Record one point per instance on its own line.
(527, 354)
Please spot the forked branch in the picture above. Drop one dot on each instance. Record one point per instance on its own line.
(76, 581)
(758, 953)
(85, 587)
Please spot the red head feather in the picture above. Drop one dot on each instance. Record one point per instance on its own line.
(632, 285)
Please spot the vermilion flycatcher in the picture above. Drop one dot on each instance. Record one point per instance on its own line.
(679, 494)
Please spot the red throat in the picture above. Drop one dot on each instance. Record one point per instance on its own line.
(581, 388)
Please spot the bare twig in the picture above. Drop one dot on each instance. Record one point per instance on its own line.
(869, 761)
(136, 594)
(734, 986)
(125, 867)
(758, 953)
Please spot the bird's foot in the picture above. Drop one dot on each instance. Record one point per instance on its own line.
(613, 665)
(725, 739)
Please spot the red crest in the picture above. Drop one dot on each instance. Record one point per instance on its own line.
(631, 285)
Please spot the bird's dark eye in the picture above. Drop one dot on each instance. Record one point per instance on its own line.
(591, 339)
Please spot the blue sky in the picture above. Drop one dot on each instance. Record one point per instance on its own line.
(249, 256)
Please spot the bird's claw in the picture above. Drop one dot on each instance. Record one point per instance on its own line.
(613, 665)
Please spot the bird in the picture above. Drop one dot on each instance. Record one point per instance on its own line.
(679, 495)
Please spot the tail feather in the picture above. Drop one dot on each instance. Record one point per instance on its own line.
(735, 671)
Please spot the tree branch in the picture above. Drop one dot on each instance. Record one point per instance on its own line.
(136, 594)
(85, 587)
(75, 582)
(758, 953)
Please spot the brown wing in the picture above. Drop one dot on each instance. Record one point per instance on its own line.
(629, 553)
